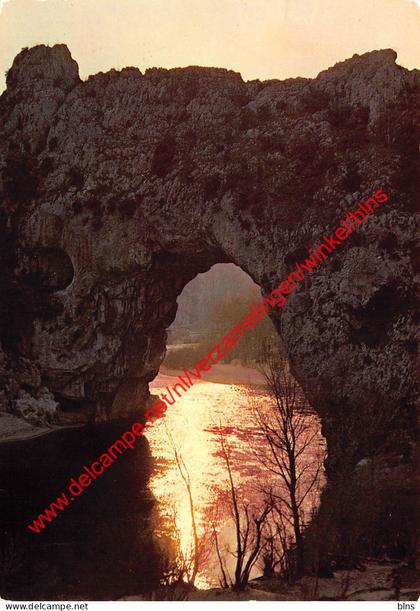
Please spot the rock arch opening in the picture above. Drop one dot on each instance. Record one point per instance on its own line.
(211, 305)
(226, 403)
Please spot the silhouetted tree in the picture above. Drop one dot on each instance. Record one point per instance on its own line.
(249, 525)
(294, 454)
(189, 563)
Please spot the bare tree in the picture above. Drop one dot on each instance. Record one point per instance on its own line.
(249, 525)
(277, 549)
(294, 454)
(224, 579)
(190, 562)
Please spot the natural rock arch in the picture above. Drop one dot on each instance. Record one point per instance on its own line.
(143, 181)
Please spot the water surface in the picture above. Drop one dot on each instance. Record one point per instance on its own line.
(114, 540)
(193, 427)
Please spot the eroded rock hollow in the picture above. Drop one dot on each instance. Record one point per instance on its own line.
(116, 191)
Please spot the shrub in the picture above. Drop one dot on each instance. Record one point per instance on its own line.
(352, 180)
(210, 186)
(314, 100)
(76, 178)
(163, 157)
(46, 167)
(20, 178)
(52, 143)
(127, 208)
(248, 118)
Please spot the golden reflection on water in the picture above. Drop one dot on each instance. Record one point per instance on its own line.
(192, 425)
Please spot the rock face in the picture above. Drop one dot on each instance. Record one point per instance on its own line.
(116, 191)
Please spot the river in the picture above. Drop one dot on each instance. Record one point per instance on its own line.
(192, 428)
(113, 541)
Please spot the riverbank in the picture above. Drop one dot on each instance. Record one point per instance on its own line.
(16, 429)
(13, 428)
(229, 373)
(373, 581)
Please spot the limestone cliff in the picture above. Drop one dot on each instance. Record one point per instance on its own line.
(116, 191)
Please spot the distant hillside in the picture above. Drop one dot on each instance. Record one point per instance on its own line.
(198, 299)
